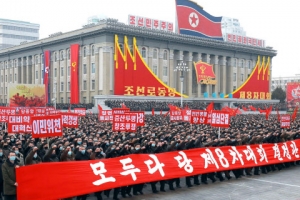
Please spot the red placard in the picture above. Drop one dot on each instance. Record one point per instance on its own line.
(220, 119)
(25, 111)
(126, 122)
(69, 120)
(19, 119)
(285, 121)
(170, 26)
(80, 111)
(19, 128)
(105, 116)
(229, 37)
(140, 117)
(120, 110)
(132, 20)
(176, 115)
(186, 115)
(198, 116)
(46, 126)
(144, 168)
(3, 118)
(140, 21)
(7, 111)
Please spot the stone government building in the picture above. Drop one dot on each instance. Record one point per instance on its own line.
(161, 50)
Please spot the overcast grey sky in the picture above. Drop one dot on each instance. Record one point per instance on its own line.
(274, 21)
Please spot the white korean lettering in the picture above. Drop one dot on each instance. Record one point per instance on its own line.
(101, 172)
(236, 155)
(186, 163)
(224, 162)
(129, 169)
(294, 149)
(277, 152)
(286, 152)
(262, 153)
(209, 159)
(250, 154)
(158, 166)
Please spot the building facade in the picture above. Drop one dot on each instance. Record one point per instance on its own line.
(14, 32)
(161, 50)
(282, 81)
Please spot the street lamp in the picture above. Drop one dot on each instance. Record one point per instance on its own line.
(182, 67)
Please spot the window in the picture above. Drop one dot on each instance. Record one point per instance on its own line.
(68, 54)
(84, 100)
(155, 70)
(36, 74)
(10, 78)
(242, 63)
(69, 99)
(234, 76)
(234, 62)
(5, 90)
(15, 77)
(61, 55)
(55, 56)
(5, 78)
(144, 52)
(62, 86)
(154, 53)
(36, 60)
(69, 70)
(234, 88)
(84, 85)
(84, 51)
(242, 77)
(93, 84)
(165, 55)
(93, 50)
(69, 86)
(55, 72)
(165, 71)
(93, 68)
(61, 100)
(62, 71)
(84, 69)
(249, 64)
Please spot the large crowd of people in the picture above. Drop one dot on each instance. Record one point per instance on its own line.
(96, 140)
(263, 106)
(67, 106)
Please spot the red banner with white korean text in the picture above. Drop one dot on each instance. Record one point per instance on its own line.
(69, 120)
(100, 175)
(140, 117)
(120, 110)
(80, 111)
(47, 60)
(18, 128)
(74, 94)
(3, 118)
(46, 126)
(198, 116)
(285, 121)
(220, 119)
(7, 111)
(176, 115)
(105, 116)
(126, 122)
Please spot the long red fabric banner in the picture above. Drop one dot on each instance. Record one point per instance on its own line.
(69, 179)
(74, 95)
(46, 73)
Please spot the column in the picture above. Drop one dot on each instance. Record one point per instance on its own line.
(97, 65)
(206, 58)
(229, 76)
(106, 70)
(179, 59)
(189, 74)
(22, 65)
(27, 70)
(160, 64)
(199, 92)
(88, 75)
(222, 66)
(171, 69)
(238, 74)
(270, 77)
(215, 62)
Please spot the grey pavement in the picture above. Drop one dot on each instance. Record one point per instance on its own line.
(278, 185)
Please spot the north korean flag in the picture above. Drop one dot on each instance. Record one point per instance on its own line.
(193, 20)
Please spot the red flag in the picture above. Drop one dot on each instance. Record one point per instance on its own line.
(252, 108)
(295, 113)
(46, 73)
(160, 112)
(74, 94)
(124, 106)
(244, 108)
(152, 111)
(172, 107)
(99, 108)
(261, 111)
(166, 113)
(268, 111)
(278, 115)
(210, 107)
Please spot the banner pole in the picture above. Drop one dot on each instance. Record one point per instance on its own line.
(219, 133)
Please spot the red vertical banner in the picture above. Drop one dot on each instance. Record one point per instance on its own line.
(74, 94)
(46, 74)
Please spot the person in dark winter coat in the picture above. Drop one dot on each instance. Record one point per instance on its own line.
(32, 157)
(9, 177)
(2, 160)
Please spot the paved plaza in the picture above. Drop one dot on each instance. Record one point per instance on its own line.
(279, 185)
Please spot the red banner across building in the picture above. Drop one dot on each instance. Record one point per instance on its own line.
(74, 94)
(47, 59)
(76, 178)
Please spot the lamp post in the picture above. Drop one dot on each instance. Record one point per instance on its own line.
(182, 67)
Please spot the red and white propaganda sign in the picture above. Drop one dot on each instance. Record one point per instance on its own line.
(140, 117)
(285, 121)
(46, 126)
(105, 116)
(80, 111)
(69, 120)
(220, 119)
(198, 116)
(176, 115)
(19, 128)
(126, 122)
(143, 168)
